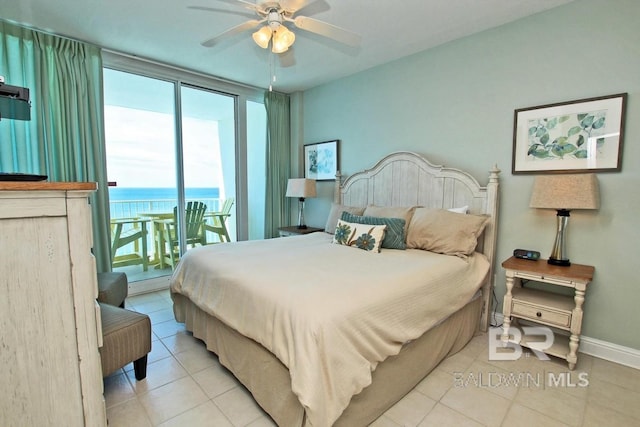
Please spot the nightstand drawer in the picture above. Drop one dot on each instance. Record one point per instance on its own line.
(541, 314)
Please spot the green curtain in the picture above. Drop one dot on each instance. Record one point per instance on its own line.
(278, 161)
(65, 137)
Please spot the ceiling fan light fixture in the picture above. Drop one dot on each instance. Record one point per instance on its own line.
(282, 39)
(279, 48)
(262, 37)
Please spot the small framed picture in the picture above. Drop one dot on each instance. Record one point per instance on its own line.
(577, 136)
(321, 160)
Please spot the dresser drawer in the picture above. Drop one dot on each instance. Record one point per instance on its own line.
(536, 313)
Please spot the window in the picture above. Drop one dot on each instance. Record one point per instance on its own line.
(169, 142)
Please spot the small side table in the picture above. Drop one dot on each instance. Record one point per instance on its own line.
(547, 308)
(295, 231)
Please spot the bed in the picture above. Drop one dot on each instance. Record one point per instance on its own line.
(327, 334)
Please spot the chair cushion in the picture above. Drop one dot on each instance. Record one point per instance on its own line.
(113, 288)
(126, 337)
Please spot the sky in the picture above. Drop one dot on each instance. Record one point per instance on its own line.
(140, 131)
(141, 149)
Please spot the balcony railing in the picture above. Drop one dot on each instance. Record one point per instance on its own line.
(133, 208)
(120, 209)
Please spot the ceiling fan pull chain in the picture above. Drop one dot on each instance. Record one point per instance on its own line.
(272, 70)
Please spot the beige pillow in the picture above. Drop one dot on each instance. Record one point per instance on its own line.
(441, 231)
(336, 212)
(405, 212)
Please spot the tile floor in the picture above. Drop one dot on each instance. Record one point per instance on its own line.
(186, 386)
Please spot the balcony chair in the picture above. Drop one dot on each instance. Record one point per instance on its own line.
(218, 221)
(126, 231)
(168, 232)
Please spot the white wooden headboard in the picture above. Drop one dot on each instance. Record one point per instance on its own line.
(408, 179)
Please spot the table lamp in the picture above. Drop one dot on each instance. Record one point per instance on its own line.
(564, 193)
(301, 188)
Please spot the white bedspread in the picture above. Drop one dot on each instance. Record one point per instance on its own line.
(330, 313)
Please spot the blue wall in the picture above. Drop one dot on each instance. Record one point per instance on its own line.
(455, 105)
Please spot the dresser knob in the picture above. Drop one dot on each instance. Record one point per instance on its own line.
(539, 314)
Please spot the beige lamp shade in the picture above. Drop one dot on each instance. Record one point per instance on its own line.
(567, 192)
(301, 187)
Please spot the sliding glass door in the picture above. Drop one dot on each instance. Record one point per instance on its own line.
(168, 146)
(140, 129)
(209, 157)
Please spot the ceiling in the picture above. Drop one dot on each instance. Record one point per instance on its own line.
(167, 31)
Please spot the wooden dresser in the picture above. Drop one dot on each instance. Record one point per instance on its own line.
(50, 372)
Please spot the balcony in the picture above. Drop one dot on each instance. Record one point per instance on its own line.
(145, 210)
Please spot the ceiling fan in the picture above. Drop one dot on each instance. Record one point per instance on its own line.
(274, 14)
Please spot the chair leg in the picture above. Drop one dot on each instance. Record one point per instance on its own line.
(145, 255)
(140, 368)
(172, 257)
(115, 244)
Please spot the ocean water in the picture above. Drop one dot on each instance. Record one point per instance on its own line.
(134, 193)
(132, 202)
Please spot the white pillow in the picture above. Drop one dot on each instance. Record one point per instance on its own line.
(362, 236)
(462, 210)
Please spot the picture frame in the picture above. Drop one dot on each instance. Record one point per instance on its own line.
(579, 136)
(321, 160)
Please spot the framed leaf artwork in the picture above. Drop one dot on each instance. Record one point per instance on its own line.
(577, 136)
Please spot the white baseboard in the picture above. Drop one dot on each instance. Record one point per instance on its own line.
(602, 349)
(613, 352)
(149, 285)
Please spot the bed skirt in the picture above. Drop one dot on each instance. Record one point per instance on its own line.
(269, 382)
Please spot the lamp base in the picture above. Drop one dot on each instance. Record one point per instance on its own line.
(559, 262)
(559, 252)
(301, 224)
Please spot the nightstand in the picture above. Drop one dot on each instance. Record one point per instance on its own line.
(544, 307)
(295, 231)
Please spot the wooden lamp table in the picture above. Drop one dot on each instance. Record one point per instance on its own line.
(545, 307)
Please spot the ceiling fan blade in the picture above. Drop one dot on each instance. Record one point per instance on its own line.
(292, 6)
(231, 31)
(327, 30)
(250, 5)
(217, 10)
